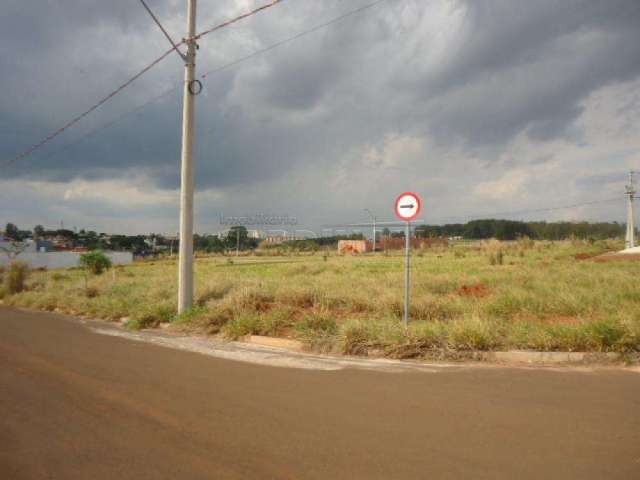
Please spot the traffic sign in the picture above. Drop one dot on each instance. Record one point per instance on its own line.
(408, 206)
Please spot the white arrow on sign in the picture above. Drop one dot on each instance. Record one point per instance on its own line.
(408, 206)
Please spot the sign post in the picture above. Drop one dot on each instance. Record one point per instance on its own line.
(408, 207)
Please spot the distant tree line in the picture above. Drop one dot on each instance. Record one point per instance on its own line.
(511, 230)
(84, 238)
(236, 238)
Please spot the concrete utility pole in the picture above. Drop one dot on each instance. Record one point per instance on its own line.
(373, 217)
(630, 192)
(185, 267)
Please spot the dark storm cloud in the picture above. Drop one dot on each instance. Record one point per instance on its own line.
(525, 66)
(510, 67)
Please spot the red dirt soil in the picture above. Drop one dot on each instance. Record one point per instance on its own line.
(476, 291)
(617, 257)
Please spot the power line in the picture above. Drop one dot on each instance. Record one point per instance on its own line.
(536, 210)
(94, 107)
(294, 37)
(115, 92)
(166, 34)
(237, 19)
(484, 215)
(211, 72)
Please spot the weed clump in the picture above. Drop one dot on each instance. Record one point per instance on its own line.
(320, 322)
(496, 258)
(213, 293)
(91, 292)
(245, 324)
(58, 277)
(152, 316)
(15, 278)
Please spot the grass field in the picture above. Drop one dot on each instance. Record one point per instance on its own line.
(476, 296)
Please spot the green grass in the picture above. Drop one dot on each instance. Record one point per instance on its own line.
(539, 297)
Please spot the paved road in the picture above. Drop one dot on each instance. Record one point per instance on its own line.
(78, 405)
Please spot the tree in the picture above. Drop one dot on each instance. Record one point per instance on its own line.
(38, 231)
(12, 232)
(234, 233)
(96, 262)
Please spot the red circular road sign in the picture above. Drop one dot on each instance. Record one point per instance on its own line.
(408, 206)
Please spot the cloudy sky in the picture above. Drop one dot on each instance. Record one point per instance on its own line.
(480, 106)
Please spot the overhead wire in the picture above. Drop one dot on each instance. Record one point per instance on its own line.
(115, 92)
(536, 210)
(208, 73)
(164, 31)
(237, 19)
(94, 107)
(479, 216)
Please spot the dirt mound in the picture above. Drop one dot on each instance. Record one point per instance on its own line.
(617, 257)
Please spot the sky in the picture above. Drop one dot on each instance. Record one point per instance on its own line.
(481, 107)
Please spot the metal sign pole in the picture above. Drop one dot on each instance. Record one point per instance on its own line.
(408, 207)
(407, 273)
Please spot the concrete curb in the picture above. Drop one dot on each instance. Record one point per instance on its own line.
(276, 342)
(508, 357)
(519, 356)
(512, 357)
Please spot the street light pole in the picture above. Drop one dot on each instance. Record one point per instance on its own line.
(185, 268)
(630, 241)
(373, 217)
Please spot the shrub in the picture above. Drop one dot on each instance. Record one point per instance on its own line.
(16, 277)
(96, 262)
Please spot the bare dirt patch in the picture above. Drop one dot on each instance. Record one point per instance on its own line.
(617, 257)
(476, 291)
(563, 320)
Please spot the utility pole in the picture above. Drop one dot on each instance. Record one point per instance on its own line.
(237, 242)
(185, 267)
(630, 192)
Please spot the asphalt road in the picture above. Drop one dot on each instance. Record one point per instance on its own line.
(78, 405)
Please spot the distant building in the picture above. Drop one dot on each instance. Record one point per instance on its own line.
(257, 234)
(354, 246)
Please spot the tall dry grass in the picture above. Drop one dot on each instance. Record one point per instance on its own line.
(539, 297)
